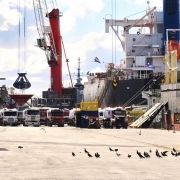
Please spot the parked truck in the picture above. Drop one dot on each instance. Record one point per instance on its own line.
(9, 117)
(66, 116)
(55, 116)
(119, 119)
(43, 115)
(31, 116)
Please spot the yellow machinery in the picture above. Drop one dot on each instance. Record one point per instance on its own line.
(171, 67)
(90, 106)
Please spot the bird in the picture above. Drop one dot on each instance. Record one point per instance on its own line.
(118, 154)
(111, 149)
(96, 60)
(90, 155)
(73, 154)
(129, 156)
(157, 154)
(43, 129)
(140, 132)
(174, 149)
(146, 155)
(171, 67)
(85, 151)
(140, 155)
(150, 151)
(163, 153)
(97, 155)
(173, 153)
(20, 147)
(116, 150)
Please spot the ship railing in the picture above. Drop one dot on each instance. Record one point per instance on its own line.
(130, 76)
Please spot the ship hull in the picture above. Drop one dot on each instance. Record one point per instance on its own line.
(127, 92)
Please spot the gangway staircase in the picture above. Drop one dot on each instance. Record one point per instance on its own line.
(103, 92)
(146, 119)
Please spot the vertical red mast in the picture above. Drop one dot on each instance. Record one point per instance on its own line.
(56, 70)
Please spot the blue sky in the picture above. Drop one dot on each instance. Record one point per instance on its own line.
(83, 31)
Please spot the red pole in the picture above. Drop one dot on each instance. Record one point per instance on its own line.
(56, 71)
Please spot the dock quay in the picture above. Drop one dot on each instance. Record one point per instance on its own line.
(46, 153)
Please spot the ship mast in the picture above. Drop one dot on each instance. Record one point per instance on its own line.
(79, 84)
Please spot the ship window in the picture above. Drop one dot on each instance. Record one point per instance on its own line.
(159, 28)
(149, 60)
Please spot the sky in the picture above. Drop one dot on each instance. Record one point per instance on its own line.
(82, 29)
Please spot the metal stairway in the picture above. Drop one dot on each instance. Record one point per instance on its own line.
(149, 115)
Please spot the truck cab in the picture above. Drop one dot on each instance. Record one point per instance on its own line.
(9, 117)
(55, 116)
(119, 119)
(31, 116)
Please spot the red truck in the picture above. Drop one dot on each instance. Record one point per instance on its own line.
(66, 116)
(43, 115)
(55, 116)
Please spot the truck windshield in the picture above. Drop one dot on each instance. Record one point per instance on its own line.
(33, 112)
(57, 113)
(101, 114)
(10, 113)
(119, 112)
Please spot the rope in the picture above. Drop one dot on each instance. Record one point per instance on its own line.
(139, 92)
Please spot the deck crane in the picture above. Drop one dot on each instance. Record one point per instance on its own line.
(50, 41)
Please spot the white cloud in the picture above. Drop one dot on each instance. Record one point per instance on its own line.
(78, 8)
(9, 14)
(32, 28)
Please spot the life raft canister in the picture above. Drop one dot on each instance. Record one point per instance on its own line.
(114, 83)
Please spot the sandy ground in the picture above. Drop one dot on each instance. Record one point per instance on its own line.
(48, 154)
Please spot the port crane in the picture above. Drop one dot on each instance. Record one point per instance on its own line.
(50, 41)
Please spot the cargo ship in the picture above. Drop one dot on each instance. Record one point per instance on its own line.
(143, 66)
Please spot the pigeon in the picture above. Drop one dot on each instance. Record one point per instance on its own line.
(85, 151)
(163, 154)
(90, 155)
(150, 151)
(146, 155)
(157, 154)
(43, 129)
(111, 149)
(173, 153)
(73, 154)
(116, 150)
(129, 156)
(20, 147)
(140, 132)
(97, 155)
(174, 149)
(140, 155)
(118, 154)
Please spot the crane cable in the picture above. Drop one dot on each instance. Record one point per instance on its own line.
(25, 44)
(18, 20)
(19, 36)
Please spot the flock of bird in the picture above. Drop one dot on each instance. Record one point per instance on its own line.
(158, 154)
